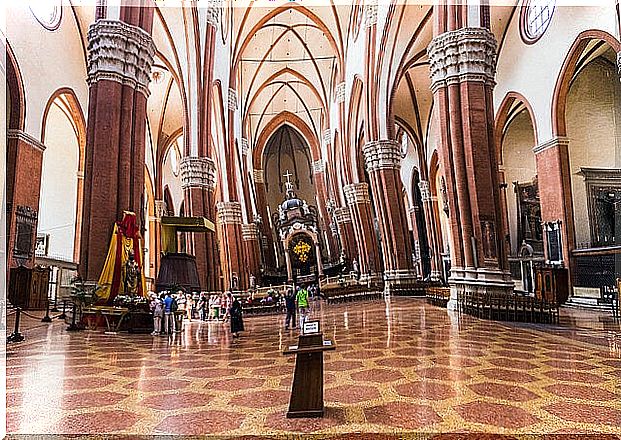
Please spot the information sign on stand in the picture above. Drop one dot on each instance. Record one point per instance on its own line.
(307, 390)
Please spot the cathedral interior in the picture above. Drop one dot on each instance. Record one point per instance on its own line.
(442, 179)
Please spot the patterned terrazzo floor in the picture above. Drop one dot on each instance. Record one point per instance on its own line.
(400, 366)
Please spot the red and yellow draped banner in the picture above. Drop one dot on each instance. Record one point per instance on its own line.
(125, 239)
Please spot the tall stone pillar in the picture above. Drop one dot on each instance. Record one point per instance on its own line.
(23, 186)
(319, 168)
(231, 246)
(433, 230)
(383, 163)
(342, 217)
(119, 68)
(252, 249)
(269, 253)
(463, 67)
(198, 183)
(359, 201)
(554, 179)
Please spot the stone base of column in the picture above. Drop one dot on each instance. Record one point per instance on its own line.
(482, 281)
(401, 282)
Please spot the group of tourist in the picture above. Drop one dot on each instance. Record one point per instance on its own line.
(217, 307)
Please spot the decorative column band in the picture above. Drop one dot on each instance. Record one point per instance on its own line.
(258, 176)
(245, 146)
(554, 142)
(327, 136)
(342, 215)
(198, 172)
(319, 166)
(340, 92)
(357, 193)
(229, 213)
(120, 52)
(26, 138)
(160, 209)
(370, 17)
(619, 63)
(212, 13)
(425, 190)
(467, 54)
(249, 232)
(383, 154)
(232, 100)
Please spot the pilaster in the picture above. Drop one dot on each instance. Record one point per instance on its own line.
(463, 68)
(120, 57)
(383, 162)
(359, 201)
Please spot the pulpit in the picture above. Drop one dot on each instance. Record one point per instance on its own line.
(307, 389)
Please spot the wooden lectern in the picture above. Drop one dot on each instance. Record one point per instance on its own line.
(307, 389)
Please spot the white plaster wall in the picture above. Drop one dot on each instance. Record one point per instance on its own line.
(532, 70)
(57, 205)
(48, 60)
(593, 113)
(173, 182)
(519, 164)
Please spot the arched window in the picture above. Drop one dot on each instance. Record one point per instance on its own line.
(535, 19)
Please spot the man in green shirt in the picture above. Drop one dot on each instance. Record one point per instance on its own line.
(301, 299)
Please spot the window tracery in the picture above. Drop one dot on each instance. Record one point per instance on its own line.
(535, 19)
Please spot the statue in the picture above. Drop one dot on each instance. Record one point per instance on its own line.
(253, 282)
(131, 276)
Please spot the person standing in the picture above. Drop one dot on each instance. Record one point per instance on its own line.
(301, 300)
(157, 308)
(169, 314)
(202, 307)
(189, 306)
(237, 322)
(290, 305)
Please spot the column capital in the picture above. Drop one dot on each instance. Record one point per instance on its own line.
(120, 52)
(467, 54)
(198, 172)
(258, 176)
(213, 13)
(425, 190)
(229, 213)
(370, 14)
(250, 232)
(382, 154)
(357, 193)
(557, 141)
(342, 215)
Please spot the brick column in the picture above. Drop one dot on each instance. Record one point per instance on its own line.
(342, 217)
(383, 162)
(269, 256)
(23, 186)
(463, 64)
(198, 182)
(359, 201)
(433, 231)
(319, 168)
(554, 178)
(119, 69)
(231, 244)
(252, 250)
